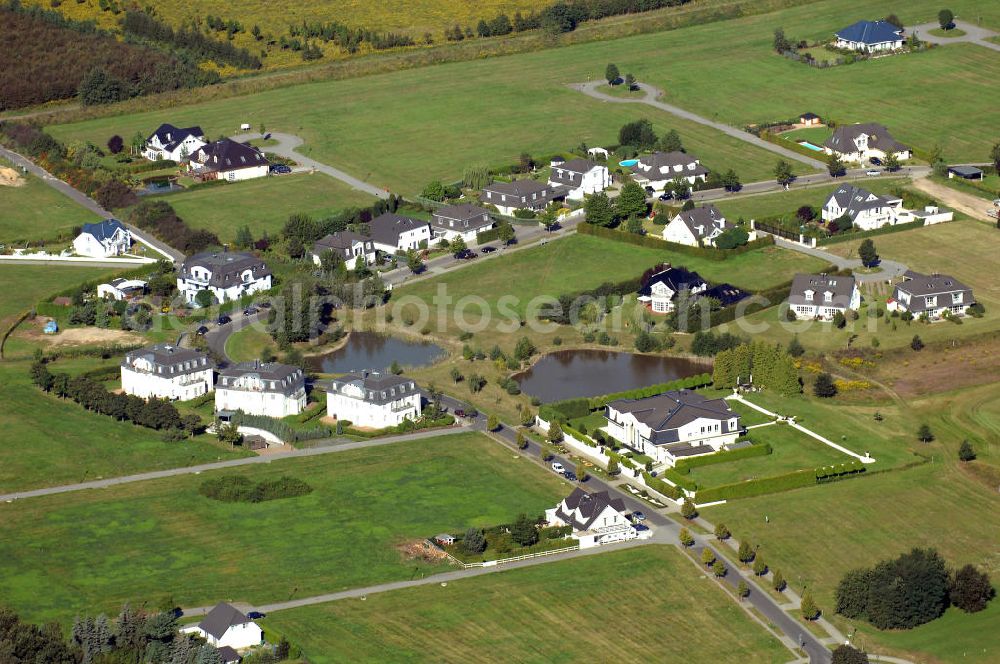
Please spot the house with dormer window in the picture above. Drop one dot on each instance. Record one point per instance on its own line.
(662, 288)
(932, 295)
(596, 518)
(226, 275)
(261, 388)
(657, 169)
(464, 220)
(352, 248)
(696, 227)
(167, 372)
(170, 142)
(579, 177)
(228, 160)
(371, 399)
(507, 197)
(860, 142)
(867, 211)
(821, 296)
(102, 240)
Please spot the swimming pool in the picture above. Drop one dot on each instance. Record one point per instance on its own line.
(810, 146)
(628, 163)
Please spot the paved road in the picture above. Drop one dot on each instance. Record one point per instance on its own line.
(652, 93)
(86, 201)
(805, 181)
(286, 147)
(973, 34)
(890, 269)
(330, 446)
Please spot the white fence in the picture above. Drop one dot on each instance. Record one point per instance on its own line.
(493, 563)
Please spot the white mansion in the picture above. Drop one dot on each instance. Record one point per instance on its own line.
(596, 518)
(228, 276)
(167, 372)
(373, 400)
(261, 388)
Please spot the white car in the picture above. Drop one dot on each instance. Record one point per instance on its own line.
(558, 467)
(873, 171)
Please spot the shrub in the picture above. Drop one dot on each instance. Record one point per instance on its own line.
(685, 537)
(965, 451)
(970, 589)
(721, 531)
(688, 510)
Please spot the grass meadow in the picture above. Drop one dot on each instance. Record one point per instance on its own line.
(787, 202)
(36, 211)
(522, 616)
(24, 285)
(94, 550)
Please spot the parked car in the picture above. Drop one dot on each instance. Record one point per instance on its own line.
(459, 412)
(875, 161)
(466, 255)
(250, 311)
(650, 190)
(202, 330)
(873, 171)
(255, 615)
(280, 169)
(666, 196)
(640, 528)
(263, 305)
(488, 250)
(558, 467)
(224, 320)
(638, 516)
(570, 475)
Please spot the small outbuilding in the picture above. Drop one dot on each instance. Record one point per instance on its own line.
(444, 539)
(810, 120)
(965, 172)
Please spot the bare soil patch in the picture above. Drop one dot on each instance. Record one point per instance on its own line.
(941, 368)
(984, 473)
(10, 178)
(420, 550)
(79, 336)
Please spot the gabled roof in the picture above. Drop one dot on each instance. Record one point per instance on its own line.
(218, 621)
(842, 139)
(462, 212)
(388, 226)
(855, 200)
(167, 133)
(174, 360)
(226, 267)
(228, 655)
(871, 33)
(228, 155)
(704, 221)
(379, 388)
(649, 166)
(675, 278)
(578, 165)
(726, 294)
(340, 242)
(103, 230)
(570, 173)
(519, 188)
(667, 412)
(915, 283)
(809, 116)
(589, 505)
(840, 288)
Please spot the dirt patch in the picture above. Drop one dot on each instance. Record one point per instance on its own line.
(984, 473)
(420, 550)
(10, 178)
(973, 206)
(941, 368)
(79, 336)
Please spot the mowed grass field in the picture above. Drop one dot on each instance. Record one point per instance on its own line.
(524, 616)
(94, 550)
(25, 285)
(785, 203)
(264, 204)
(35, 211)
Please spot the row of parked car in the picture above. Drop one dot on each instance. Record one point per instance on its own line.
(223, 319)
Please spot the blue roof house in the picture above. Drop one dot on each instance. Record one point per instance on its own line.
(870, 37)
(103, 239)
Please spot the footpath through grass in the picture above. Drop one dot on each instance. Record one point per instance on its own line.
(524, 616)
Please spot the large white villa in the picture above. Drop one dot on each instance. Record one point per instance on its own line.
(261, 388)
(167, 372)
(822, 296)
(375, 400)
(596, 518)
(227, 276)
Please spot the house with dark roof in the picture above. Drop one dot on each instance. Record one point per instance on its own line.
(122, 289)
(103, 239)
(170, 142)
(226, 275)
(870, 37)
(228, 656)
(810, 120)
(822, 296)
(672, 425)
(662, 288)
(463, 220)
(226, 626)
(228, 160)
(860, 142)
(596, 518)
(167, 372)
(696, 227)
(965, 173)
(261, 388)
(931, 295)
(391, 232)
(866, 210)
(657, 169)
(352, 248)
(579, 177)
(507, 197)
(372, 399)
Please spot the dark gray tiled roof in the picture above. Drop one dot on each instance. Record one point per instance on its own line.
(701, 221)
(342, 243)
(855, 200)
(228, 155)
(379, 388)
(226, 267)
(571, 172)
(217, 621)
(590, 505)
(174, 361)
(279, 378)
(667, 412)
(843, 137)
(387, 227)
(920, 286)
(840, 287)
(468, 217)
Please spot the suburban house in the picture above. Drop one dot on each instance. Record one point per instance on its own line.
(464, 221)
(870, 37)
(226, 626)
(261, 388)
(866, 210)
(103, 239)
(228, 160)
(596, 518)
(348, 245)
(170, 142)
(580, 177)
(227, 275)
(167, 372)
(660, 290)
(657, 169)
(673, 425)
(121, 289)
(860, 142)
(965, 172)
(393, 232)
(931, 294)
(821, 296)
(696, 227)
(810, 120)
(371, 399)
(519, 195)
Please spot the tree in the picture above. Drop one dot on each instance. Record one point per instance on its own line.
(746, 552)
(612, 74)
(581, 472)
(719, 569)
(892, 19)
(474, 541)
(685, 536)
(505, 232)
(671, 142)
(835, 166)
(555, 433)
(781, 43)
(810, 611)
(492, 423)
(778, 581)
(613, 467)
(795, 348)
(759, 566)
(783, 173)
(523, 531)
(845, 654)
(868, 253)
(228, 432)
(414, 262)
(598, 210)
(995, 156)
(891, 162)
(916, 343)
(631, 201)
(965, 451)
(243, 240)
(924, 434)
(99, 86)
(946, 18)
(707, 557)
(116, 144)
(629, 82)
(524, 349)
(457, 246)
(722, 532)
(970, 589)
(824, 387)
(688, 510)
(839, 320)
(638, 134)
(434, 191)
(805, 213)
(731, 181)
(295, 247)
(204, 298)
(852, 593)
(742, 589)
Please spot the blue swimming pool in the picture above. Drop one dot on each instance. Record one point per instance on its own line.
(810, 146)
(628, 163)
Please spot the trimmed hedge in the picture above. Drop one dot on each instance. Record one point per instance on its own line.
(680, 480)
(885, 230)
(582, 437)
(660, 486)
(758, 487)
(711, 253)
(684, 466)
(488, 235)
(691, 382)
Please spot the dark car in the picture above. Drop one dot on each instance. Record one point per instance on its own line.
(201, 330)
(638, 516)
(875, 161)
(488, 250)
(570, 475)
(264, 305)
(649, 190)
(250, 311)
(280, 168)
(640, 528)
(466, 255)
(255, 615)
(224, 320)
(666, 196)
(459, 412)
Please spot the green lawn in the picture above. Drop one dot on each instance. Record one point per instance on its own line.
(94, 550)
(264, 204)
(25, 285)
(523, 615)
(248, 344)
(36, 211)
(787, 202)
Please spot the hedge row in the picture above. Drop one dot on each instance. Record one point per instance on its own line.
(885, 230)
(691, 382)
(684, 466)
(406, 427)
(488, 235)
(710, 253)
(758, 487)
(281, 429)
(661, 487)
(145, 166)
(582, 437)
(680, 480)
(837, 471)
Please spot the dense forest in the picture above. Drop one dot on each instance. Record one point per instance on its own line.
(48, 58)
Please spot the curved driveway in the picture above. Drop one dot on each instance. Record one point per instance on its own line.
(286, 147)
(890, 269)
(652, 93)
(973, 35)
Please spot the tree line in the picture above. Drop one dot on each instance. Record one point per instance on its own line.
(348, 38)
(770, 367)
(187, 38)
(161, 219)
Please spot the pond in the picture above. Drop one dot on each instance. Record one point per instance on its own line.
(568, 374)
(376, 352)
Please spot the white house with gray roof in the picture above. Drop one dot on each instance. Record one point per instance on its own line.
(822, 296)
(226, 275)
(261, 388)
(596, 518)
(167, 372)
(507, 197)
(103, 239)
(673, 425)
(225, 626)
(393, 232)
(870, 37)
(226, 159)
(352, 248)
(860, 142)
(931, 294)
(696, 227)
(579, 177)
(465, 220)
(867, 211)
(657, 169)
(371, 399)
(176, 143)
